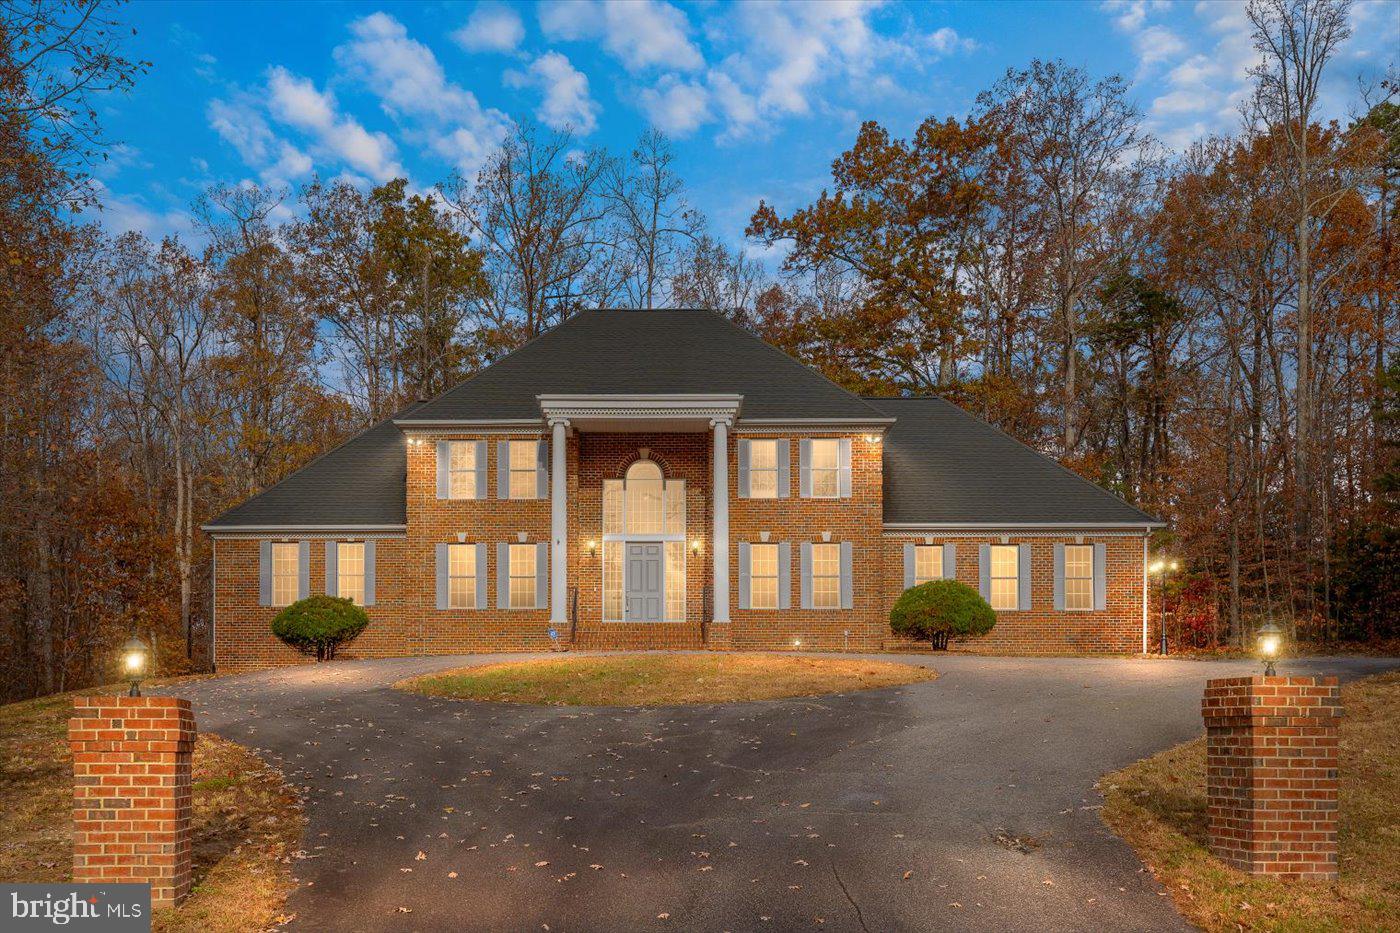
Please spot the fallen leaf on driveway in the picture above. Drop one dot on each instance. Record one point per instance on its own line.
(908, 874)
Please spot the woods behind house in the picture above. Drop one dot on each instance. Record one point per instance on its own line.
(1208, 333)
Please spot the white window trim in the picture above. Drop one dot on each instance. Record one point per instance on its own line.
(1064, 583)
(836, 576)
(468, 474)
(512, 469)
(295, 574)
(1015, 577)
(340, 574)
(773, 470)
(512, 576)
(776, 577)
(476, 571)
(813, 469)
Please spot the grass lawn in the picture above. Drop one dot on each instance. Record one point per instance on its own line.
(246, 821)
(1159, 806)
(665, 679)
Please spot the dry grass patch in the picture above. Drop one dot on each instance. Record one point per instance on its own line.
(246, 823)
(1159, 806)
(665, 679)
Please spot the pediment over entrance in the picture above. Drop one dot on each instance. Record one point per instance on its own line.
(625, 413)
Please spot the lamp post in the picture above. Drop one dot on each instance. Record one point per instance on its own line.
(1160, 568)
(1269, 638)
(134, 656)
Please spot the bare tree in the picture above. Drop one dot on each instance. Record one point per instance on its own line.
(536, 211)
(1085, 158)
(655, 222)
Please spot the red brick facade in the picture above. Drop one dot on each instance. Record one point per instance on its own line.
(405, 621)
(132, 792)
(1271, 774)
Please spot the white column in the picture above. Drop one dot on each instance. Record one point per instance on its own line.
(720, 494)
(558, 523)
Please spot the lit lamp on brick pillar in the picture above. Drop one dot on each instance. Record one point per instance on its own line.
(135, 656)
(1269, 638)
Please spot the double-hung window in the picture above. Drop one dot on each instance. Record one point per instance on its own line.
(826, 576)
(928, 563)
(461, 469)
(350, 571)
(763, 576)
(763, 469)
(523, 463)
(286, 573)
(461, 576)
(523, 561)
(825, 468)
(1005, 576)
(1079, 576)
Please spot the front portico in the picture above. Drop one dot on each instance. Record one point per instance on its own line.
(656, 465)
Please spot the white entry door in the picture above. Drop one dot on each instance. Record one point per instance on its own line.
(643, 576)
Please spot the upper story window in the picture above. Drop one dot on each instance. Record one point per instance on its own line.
(1079, 576)
(826, 576)
(523, 464)
(461, 576)
(763, 576)
(350, 571)
(826, 468)
(1005, 576)
(461, 469)
(763, 469)
(286, 573)
(928, 563)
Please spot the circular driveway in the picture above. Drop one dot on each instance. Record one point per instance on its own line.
(963, 803)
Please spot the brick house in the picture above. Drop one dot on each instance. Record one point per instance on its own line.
(664, 479)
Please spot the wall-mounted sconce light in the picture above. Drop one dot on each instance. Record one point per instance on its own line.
(797, 643)
(695, 545)
(592, 546)
(872, 438)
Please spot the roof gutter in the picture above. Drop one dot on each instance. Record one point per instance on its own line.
(293, 529)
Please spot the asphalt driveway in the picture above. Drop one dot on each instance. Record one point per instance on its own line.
(964, 803)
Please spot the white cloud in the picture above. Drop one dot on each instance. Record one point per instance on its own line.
(676, 107)
(566, 102)
(492, 27)
(240, 122)
(639, 33)
(295, 101)
(412, 87)
(946, 41)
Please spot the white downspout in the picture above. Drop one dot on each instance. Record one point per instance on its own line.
(1145, 533)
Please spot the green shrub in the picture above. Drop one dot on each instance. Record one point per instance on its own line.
(940, 608)
(319, 624)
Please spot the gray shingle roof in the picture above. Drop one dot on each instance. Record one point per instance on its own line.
(647, 352)
(361, 482)
(943, 465)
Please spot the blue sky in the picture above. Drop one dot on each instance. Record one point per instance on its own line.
(758, 97)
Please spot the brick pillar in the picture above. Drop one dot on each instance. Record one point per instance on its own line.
(131, 792)
(1271, 774)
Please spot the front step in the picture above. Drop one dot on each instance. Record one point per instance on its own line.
(638, 636)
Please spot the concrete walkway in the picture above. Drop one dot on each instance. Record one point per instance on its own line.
(965, 803)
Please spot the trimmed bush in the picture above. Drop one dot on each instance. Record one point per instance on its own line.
(319, 624)
(935, 610)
